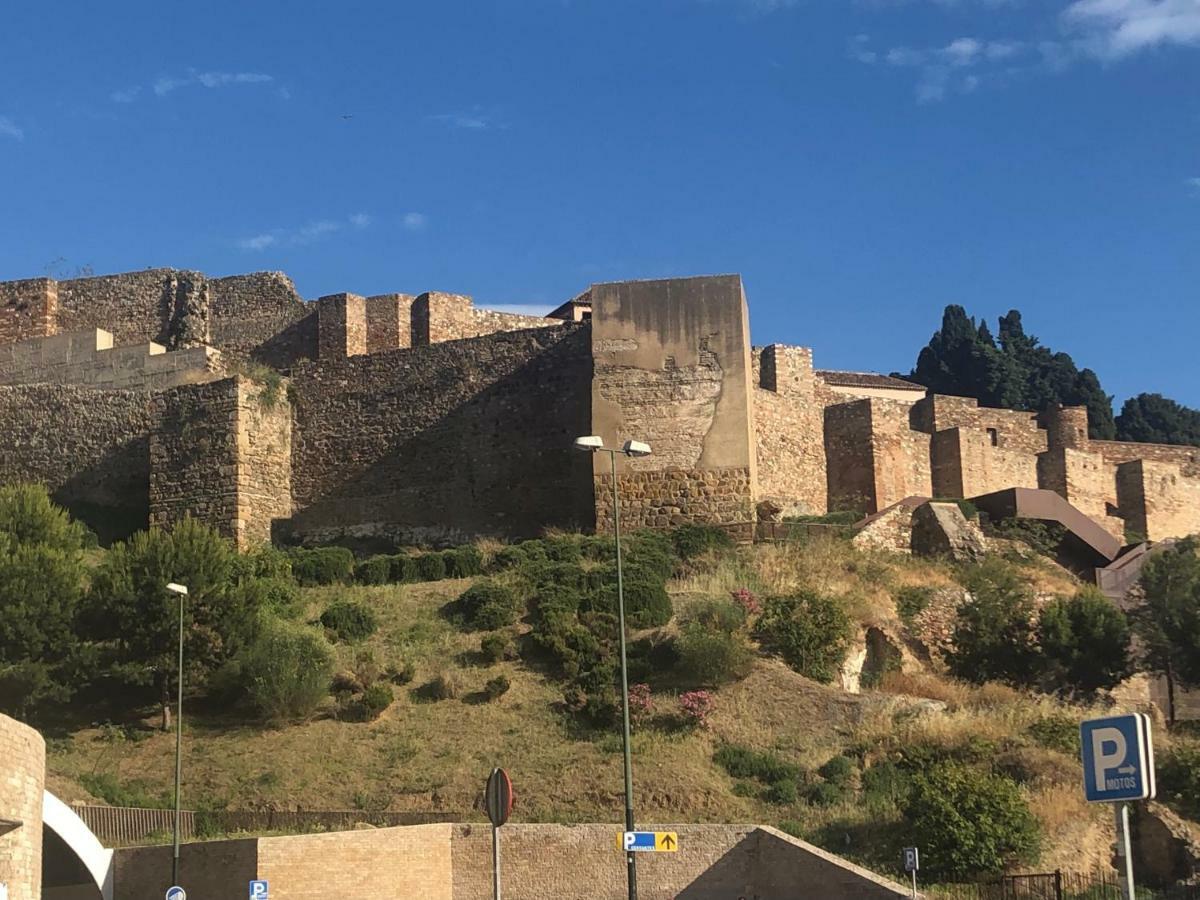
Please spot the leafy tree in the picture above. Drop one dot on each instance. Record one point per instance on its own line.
(1013, 372)
(810, 631)
(131, 612)
(969, 822)
(993, 635)
(41, 583)
(286, 669)
(1155, 419)
(1084, 642)
(1168, 621)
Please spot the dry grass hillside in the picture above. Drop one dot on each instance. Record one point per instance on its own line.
(428, 754)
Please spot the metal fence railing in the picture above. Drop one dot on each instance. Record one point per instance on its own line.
(117, 826)
(1057, 886)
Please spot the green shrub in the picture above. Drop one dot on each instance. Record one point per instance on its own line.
(400, 673)
(691, 541)
(287, 669)
(651, 553)
(1084, 643)
(743, 762)
(811, 632)
(487, 605)
(885, 785)
(912, 600)
(712, 657)
(713, 614)
(782, 792)
(824, 793)
(322, 565)
(839, 770)
(429, 567)
(401, 568)
(1042, 537)
(1179, 779)
(376, 570)
(350, 620)
(463, 562)
(444, 686)
(497, 646)
(496, 687)
(1056, 732)
(563, 549)
(647, 603)
(993, 637)
(969, 823)
(278, 595)
(508, 558)
(375, 700)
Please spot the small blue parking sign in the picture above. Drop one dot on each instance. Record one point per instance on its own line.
(1118, 759)
(176, 893)
(259, 891)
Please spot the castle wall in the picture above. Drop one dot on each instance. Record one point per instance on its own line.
(964, 463)
(672, 369)
(342, 324)
(90, 448)
(1014, 430)
(438, 317)
(874, 458)
(1117, 452)
(389, 322)
(24, 754)
(28, 309)
(1158, 500)
(443, 443)
(250, 311)
(222, 455)
(850, 457)
(1085, 481)
(789, 430)
(89, 358)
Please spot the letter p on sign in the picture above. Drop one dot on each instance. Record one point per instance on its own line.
(1108, 751)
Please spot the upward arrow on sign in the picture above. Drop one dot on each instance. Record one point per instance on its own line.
(668, 842)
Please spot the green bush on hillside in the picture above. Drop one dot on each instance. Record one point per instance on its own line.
(993, 637)
(497, 646)
(712, 647)
(1179, 779)
(463, 562)
(375, 699)
(287, 669)
(1084, 643)
(912, 600)
(969, 823)
(322, 565)
(488, 605)
(691, 541)
(811, 632)
(350, 620)
(374, 570)
(428, 567)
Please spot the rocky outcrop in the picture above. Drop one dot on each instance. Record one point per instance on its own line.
(941, 529)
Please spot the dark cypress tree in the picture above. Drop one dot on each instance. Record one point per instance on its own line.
(1155, 419)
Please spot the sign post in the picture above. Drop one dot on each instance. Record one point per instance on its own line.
(498, 797)
(1118, 766)
(912, 862)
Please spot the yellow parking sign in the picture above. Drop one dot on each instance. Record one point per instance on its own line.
(648, 841)
(666, 841)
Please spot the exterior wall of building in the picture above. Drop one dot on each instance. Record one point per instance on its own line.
(672, 369)
(24, 758)
(966, 464)
(850, 476)
(210, 869)
(438, 317)
(874, 458)
(444, 443)
(789, 430)
(1014, 430)
(1085, 481)
(89, 358)
(1117, 452)
(28, 309)
(1157, 500)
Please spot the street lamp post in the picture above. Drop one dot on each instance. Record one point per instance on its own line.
(181, 591)
(595, 444)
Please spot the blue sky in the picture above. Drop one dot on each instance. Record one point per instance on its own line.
(861, 163)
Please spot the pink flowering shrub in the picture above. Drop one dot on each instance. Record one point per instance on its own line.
(641, 704)
(697, 706)
(747, 601)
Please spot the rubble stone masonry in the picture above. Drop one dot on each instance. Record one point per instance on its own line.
(28, 309)
(21, 784)
(789, 430)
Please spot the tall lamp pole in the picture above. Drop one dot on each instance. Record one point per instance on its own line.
(181, 591)
(595, 444)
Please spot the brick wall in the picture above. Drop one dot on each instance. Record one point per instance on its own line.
(28, 309)
(24, 754)
(89, 358)
(443, 443)
(1157, 500)
(789, 430)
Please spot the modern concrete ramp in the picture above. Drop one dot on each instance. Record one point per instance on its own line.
(1047, 506)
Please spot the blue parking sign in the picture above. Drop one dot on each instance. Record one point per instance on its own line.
(258, 891)
(1118, 758)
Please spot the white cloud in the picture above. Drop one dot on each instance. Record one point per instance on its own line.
(415, 221)
(165, 84)
(1194, 185)
(8, 128)
(128, 95)
(463, 120)
(308, 233)
(1113, 29)
(860, 51)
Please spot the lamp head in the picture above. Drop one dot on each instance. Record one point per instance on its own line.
(635, 448)
(589, 443)
(177, 588)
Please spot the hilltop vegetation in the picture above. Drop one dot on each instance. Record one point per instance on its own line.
(397, 682)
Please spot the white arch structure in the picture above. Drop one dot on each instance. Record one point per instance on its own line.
(96, 858)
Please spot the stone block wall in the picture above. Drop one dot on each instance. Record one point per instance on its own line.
(222, 455)
(965, 463)
(874, 458)
(672, 369)
(1158, 500)
(443, 443)
(249, 312)
(89, 358)
(1117, 452)
(851, 477)
(671, 497)
(1085, 481)
(342, 326)
(389, 322)
(21, 784)
(28, 309)
(438, 317)
(1012, 429)
(789, 430)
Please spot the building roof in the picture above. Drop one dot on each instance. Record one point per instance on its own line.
(867, 380)
(563, 311)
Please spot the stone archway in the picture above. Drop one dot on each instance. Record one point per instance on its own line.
(75, 865)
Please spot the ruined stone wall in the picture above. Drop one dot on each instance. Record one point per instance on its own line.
(1014, 430)
(789, 430)
(443, 443)
(965, 463)
(1158, 500)
(389, 322)
(222, 455)
(89, 358)
(250, 311)
(672, 369)
(438, 317)
(24, 759)
(1117, 452)
(1085, 481)
(873, 457)
(90, 448)
(850, 457)
(28, 309)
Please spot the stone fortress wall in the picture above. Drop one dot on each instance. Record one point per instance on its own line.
(149, 396)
